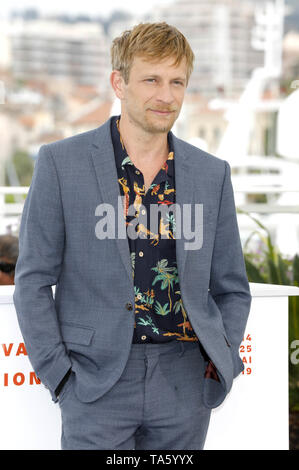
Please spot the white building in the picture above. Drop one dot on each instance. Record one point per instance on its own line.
(5, 54)
(220, 33)
(45, 48)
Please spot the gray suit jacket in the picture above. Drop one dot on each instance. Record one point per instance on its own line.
(87, 324)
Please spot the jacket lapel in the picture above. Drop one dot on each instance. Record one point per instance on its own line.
(102, 153)
(184, 185)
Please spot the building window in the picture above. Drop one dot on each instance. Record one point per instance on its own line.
(202, 133)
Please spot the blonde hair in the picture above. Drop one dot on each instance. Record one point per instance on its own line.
(154, 41)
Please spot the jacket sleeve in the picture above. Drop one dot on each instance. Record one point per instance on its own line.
(229, 285)
(41, 247)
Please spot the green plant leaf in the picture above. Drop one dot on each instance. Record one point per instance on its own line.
(253, 273)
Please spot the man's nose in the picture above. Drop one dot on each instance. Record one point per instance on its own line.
(165, 94)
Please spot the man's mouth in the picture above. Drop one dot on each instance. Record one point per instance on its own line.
(161, 112)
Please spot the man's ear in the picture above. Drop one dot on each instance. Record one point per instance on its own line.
(117, 83)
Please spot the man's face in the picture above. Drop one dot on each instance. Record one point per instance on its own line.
(154, 95)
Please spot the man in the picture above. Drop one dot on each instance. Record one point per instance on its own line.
(142, 338)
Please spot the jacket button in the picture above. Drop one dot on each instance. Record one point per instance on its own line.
(129, 306)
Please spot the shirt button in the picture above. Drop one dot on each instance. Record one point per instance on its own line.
(143, 337)
(140, 253)
(137, 172)
(143, 211)
(129, 306)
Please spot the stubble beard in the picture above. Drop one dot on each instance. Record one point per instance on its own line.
(149, 126)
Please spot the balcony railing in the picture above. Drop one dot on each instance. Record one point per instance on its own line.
(270, 207)
(13, 208)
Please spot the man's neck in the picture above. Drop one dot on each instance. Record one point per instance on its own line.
(144, 149)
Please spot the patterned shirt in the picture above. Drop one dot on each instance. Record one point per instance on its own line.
(160, 315)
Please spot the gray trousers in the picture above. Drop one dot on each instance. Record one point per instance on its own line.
(156, 404)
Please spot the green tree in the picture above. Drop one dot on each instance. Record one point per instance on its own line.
(167, 275)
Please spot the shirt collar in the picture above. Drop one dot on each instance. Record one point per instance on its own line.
(121, 156)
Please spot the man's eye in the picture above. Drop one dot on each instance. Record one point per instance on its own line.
(150, 80)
